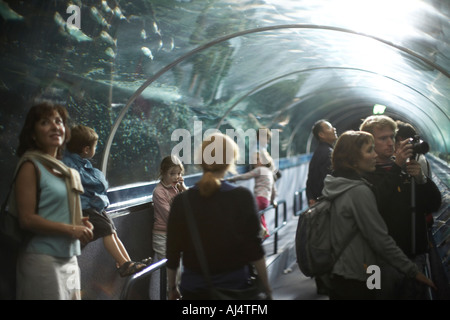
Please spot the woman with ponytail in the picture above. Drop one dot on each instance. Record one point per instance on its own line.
(227, 221)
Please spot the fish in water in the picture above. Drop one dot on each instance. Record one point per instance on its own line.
(169, 45)
(110, 52)
(106, 7)
(99, 18)
(7, 13)
(119, 13)
(59, 20)
(143, 34)
(147, 52)
(107, 38)
(77, 34)
(160, 44)
(156, 28)
(71, 30)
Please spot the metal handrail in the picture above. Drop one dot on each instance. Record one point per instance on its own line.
(298, 197)
(277, 227)
(160, 265)
(145, 273)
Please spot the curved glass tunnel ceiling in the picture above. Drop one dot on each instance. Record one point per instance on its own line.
(165, 65)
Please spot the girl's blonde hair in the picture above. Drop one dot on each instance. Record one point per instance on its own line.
(169, 162)
(218, 154)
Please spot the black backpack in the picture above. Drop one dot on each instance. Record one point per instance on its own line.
(315, 253)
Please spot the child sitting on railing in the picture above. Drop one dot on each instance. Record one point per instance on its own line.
(94, 201)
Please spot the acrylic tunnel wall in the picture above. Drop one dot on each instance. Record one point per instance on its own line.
(138, 71)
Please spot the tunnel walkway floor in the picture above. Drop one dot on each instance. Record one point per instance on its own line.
(293, 285)
(286, 279)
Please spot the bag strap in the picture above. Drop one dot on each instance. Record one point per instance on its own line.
(5, 203)
(196, 239)
(71, 178)
(38, 189)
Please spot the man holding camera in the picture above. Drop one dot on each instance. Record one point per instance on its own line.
(397, 177)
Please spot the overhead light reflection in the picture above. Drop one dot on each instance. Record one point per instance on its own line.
(379, 109)
(383, 18)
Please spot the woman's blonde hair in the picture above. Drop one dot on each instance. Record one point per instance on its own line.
(218, 154)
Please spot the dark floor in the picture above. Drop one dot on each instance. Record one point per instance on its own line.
(293, 285)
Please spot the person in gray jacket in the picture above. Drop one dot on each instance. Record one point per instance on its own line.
(354, 216)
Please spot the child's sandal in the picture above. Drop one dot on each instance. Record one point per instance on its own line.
(147, 261)
(130, 267)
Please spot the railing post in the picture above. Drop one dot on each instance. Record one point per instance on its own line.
(295, 201)
(275, 242)
(277, 227)
(298, 197)
(301, 198)
(163, 283)
(145, 273)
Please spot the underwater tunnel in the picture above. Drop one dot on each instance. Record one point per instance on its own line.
(153, 75)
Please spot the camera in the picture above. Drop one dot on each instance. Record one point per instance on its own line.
(419, 146)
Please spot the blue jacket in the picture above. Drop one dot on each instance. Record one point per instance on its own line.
(93, 180)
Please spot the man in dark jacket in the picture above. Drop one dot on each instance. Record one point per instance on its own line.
(394, 180)
(319, 167)
(320, 164)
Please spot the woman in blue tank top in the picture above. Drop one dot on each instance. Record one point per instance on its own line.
(48, 268)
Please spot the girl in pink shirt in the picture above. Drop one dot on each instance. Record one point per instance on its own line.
(170, 184)
(264, 189)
